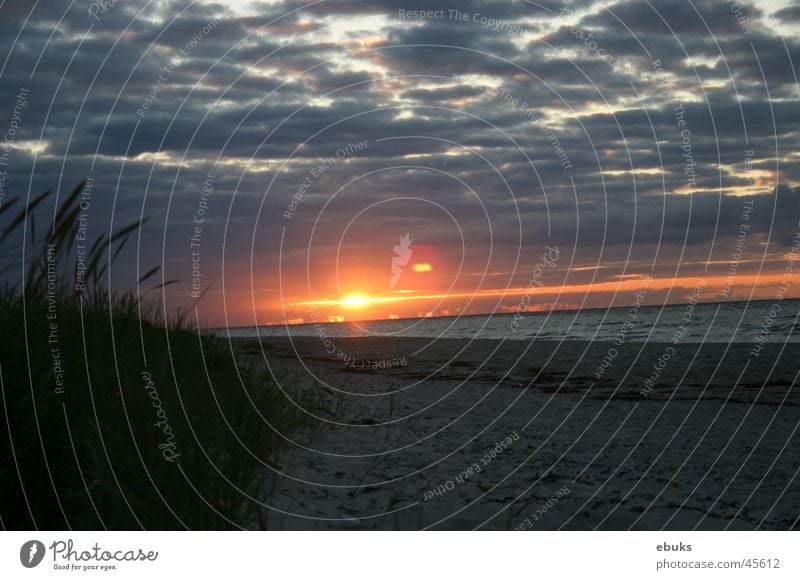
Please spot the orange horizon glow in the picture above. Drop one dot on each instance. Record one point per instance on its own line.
(629, 283)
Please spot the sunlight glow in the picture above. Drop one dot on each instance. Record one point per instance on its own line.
(354, 301)
(631, 283)
(422, 267)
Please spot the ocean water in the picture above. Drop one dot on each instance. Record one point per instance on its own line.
(776, 322)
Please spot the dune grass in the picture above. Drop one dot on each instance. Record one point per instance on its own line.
(113, 417)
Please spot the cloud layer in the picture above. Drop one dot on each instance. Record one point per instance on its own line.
(628, 134)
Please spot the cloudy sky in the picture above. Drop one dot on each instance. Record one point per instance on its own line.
(281, 150)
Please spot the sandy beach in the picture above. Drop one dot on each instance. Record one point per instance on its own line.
(457, 435)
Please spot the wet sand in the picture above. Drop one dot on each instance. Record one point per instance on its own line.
(502, 435)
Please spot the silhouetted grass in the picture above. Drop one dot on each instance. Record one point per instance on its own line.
(89, 383)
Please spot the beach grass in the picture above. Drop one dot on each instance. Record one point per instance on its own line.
(117, 415)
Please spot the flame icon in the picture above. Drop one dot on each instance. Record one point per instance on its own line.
(403, 255)
(32, 553)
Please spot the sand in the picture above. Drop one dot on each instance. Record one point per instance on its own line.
(496, 435)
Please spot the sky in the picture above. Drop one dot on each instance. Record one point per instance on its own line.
(337, 160)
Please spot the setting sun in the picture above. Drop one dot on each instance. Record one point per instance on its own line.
(422, 267)
(354, 301)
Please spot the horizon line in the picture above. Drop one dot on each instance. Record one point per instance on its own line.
(534, 312)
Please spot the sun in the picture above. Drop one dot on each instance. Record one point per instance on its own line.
(354, 301)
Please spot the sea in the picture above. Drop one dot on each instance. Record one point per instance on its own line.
(770, 321)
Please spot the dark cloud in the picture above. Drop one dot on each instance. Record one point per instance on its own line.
(789, 14)
(675, 17)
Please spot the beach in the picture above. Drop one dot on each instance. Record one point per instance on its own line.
(453, 434)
